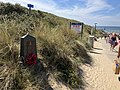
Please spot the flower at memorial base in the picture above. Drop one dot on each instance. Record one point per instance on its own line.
(31, 59)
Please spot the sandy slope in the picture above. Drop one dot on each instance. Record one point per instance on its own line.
(100, 76)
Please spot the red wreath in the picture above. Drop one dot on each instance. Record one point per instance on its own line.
(31, 59)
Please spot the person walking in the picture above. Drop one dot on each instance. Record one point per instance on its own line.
(119, 46)
(113, 41)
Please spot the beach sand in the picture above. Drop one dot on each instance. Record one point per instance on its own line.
(100, 76)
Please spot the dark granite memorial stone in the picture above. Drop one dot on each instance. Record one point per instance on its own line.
(28, 51)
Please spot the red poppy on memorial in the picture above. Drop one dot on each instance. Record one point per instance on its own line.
(31, 59)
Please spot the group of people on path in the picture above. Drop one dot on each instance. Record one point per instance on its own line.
(114, 40)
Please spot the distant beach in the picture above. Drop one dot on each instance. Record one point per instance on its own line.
(109, 28)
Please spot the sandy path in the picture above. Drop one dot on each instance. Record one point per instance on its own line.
(100, 76)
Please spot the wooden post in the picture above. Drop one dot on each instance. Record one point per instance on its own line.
(82, 30)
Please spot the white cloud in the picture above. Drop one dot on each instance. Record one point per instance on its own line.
(81, 14)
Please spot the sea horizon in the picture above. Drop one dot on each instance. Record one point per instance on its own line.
(109, 29)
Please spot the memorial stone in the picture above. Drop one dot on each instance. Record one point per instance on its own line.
(28, 51)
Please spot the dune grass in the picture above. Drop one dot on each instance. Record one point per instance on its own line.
(61, 50)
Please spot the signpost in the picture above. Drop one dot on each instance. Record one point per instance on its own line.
(30, 6)
(77, 26)
(95, 26)
(28, 51)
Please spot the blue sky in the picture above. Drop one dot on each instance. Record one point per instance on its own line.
(102, 12)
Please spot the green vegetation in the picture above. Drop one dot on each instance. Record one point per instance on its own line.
(61, 51)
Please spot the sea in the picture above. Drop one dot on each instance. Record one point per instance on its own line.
(109, 29)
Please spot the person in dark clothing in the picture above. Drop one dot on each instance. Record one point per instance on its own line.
(119, 46)
(113, 41)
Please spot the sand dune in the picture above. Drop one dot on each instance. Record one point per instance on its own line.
(100, 76)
